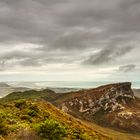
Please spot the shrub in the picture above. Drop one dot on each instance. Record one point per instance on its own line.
(51, 130)
(20, 103)
(34, 107)
(26, 117)
(33, 111)
(3, 128)
(86, 136)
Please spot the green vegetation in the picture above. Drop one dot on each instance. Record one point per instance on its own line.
(46, 94)
(20, 103)
(51, 130)
(39, 120)
(3, 128)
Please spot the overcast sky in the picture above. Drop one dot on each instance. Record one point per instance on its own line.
(83, 40)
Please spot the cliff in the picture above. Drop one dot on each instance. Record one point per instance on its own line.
(111, 105)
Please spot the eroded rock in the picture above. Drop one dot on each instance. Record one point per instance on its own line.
(111, 100)
(108, 104)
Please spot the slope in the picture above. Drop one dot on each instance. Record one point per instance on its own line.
(36, 120)
(111, 105)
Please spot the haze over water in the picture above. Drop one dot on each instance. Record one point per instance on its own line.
(66, 84)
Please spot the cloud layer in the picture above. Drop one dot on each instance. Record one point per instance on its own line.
(75, 34)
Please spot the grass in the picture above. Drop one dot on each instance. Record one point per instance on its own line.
(40, 120)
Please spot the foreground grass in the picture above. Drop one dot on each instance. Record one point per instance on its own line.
(39, 120)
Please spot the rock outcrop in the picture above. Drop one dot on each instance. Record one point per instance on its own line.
(111, 101)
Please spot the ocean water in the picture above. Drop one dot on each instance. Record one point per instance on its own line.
(67, 84)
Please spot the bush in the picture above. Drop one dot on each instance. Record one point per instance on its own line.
(33, 111)
(25, 117)
(34, 107)
(3, 128)
(51, 130)
(86, 136)
(20, 103)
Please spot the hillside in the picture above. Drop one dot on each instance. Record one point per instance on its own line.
(39, 120)
(111, 105)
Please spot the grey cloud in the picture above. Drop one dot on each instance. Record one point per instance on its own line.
(127, 68)
(107, 54)
(21, 57)
(36, 22)
(30, 62)
(68, 28)
(31, 58)
(2, 63)
(74, 40)
(129, 3)
(14, 55)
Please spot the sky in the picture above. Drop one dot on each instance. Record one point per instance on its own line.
(69, 40)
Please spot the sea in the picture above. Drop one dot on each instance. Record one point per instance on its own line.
(66, 84)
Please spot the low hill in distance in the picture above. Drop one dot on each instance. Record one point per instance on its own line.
(45, 94)
(6, 89)
(2, 84)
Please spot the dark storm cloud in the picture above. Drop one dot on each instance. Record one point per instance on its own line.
(127, 68)
(68, 28)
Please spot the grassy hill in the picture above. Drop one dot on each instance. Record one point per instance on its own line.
(39, 120)
(46, 94)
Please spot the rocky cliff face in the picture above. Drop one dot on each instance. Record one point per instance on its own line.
(109, 100)
(112, 101)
